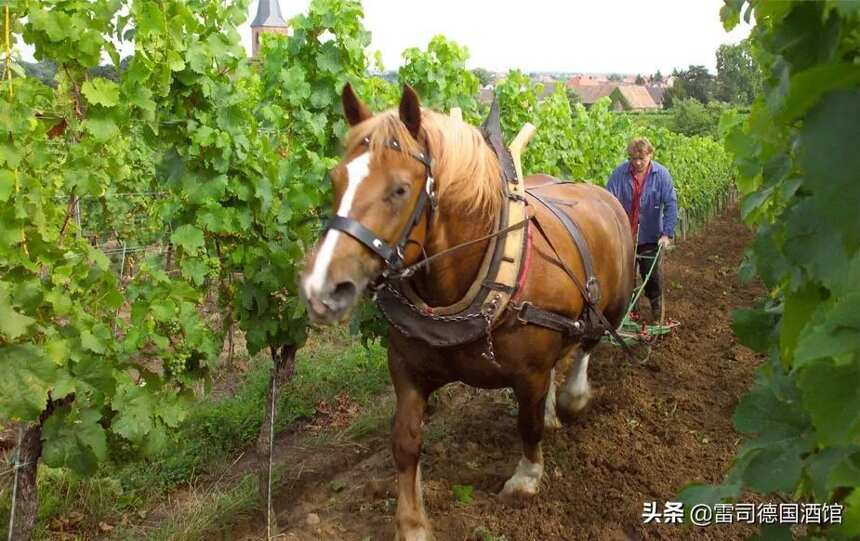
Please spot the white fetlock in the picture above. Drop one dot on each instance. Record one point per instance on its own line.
(414, 534)
(573, 403)
(525, 480)
(576, 393)
(550, 417)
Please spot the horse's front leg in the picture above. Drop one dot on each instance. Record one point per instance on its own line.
(531, 395)
(411, 522)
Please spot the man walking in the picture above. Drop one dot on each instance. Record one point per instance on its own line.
(645, 190)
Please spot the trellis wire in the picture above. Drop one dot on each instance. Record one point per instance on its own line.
(16, 466)
(271, 447)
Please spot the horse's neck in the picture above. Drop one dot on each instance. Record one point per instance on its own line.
(450, 277)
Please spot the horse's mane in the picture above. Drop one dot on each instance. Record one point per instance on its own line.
(466, 170)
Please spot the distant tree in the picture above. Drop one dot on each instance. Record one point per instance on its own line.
(692, 118)
(44, 71)
(484, 76)
(657, 77)
(674, 94)
(738, 75)
(572, 97)
(694, 82)
(107, 71)
(640, 80)
(614, 77)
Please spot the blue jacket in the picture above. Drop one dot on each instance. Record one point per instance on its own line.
(658, 205)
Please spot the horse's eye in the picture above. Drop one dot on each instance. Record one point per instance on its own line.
(401, 190)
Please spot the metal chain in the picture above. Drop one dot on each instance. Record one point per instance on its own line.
(490, 354)
(486, 315)
(459, 317)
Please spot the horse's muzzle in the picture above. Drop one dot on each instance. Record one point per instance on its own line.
(333, 303)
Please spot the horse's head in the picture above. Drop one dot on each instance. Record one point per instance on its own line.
(383, 194)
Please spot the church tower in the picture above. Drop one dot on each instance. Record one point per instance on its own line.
(268, 19)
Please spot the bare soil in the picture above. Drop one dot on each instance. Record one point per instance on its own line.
(649, 430)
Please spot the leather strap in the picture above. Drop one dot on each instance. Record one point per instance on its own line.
(365, 236)
(527, 314)
(393, 255)
(591, 291)
(596, 315)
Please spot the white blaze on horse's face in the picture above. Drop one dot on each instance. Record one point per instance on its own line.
(317, 286)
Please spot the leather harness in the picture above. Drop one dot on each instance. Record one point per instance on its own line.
(493, 294)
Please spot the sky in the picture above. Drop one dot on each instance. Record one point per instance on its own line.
(606, 36)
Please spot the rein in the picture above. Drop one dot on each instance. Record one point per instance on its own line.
(412, 269)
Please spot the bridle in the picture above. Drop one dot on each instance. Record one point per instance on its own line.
(393, 254)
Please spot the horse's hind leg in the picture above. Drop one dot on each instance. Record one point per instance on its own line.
(531, 395)
(576, 392)
(411, 522)
(550, 418)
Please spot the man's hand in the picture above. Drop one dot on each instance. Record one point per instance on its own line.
(665, 242)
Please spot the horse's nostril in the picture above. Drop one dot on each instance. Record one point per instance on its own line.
(344, 293)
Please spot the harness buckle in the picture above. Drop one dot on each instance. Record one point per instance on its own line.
(592, 288)
(520, 307)
(430, 188)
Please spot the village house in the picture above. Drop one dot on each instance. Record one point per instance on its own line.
(632, 98)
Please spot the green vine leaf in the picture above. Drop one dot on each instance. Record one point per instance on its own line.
(101, 91)
(189, 237)
(74, 439)
(28, 377)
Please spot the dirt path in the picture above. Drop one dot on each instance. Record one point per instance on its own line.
(649, 430)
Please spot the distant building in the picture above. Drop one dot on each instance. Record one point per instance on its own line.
(585, 80)
(548, 89)
(624, 97)
(486, 94)
(268, 19)
(632, 98)
(590, 93)
(657, 93)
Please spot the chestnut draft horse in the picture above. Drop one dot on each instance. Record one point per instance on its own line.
(414, 184)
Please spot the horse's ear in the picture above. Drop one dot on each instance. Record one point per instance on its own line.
(354, 109)
(410, 110)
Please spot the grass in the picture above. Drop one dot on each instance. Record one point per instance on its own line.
(215, 511)
(206, 514)
(216, 432)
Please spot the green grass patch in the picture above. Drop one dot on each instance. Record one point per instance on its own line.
(219, 510)
(215, 432)
(207, 515)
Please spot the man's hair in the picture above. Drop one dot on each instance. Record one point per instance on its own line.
(638, 144)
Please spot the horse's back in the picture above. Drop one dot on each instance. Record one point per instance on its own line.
(603, 223)
(576, 193)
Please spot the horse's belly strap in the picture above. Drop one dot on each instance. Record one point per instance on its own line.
(529, 314)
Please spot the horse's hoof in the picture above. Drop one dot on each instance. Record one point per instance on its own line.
(571, 404)
(415, 533)
(524, 483)
(517, 494)
(423, 535)
(551, 422)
